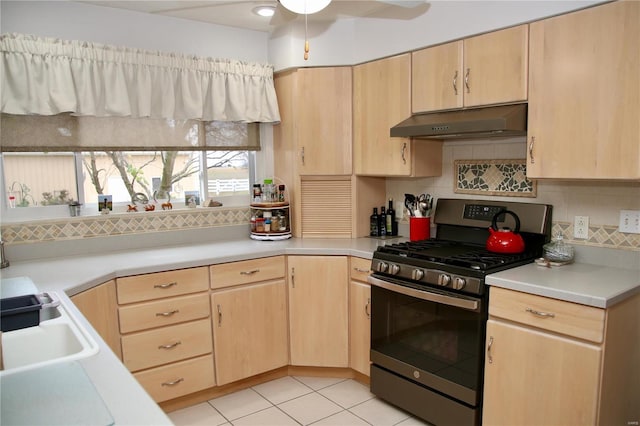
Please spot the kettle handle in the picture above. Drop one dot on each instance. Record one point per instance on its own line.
(494, 222)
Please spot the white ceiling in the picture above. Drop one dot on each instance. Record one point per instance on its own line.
(239, 13)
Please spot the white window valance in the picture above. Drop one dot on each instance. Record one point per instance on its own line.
(46, 76)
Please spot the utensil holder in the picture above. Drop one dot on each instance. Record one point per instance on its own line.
(419, 228)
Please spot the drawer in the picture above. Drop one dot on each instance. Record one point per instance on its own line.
(164, 345)
(247, 271)
(163, 312)
(572, 319)
(139, 288)
(360, 269)
(178, 379)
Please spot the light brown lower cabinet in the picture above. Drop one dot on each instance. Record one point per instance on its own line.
(178, 379)
(100, 307)
(360, 316)
(249, 330)
(319, 310)
(550, 362)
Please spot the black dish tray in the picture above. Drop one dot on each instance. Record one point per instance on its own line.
(22, 311)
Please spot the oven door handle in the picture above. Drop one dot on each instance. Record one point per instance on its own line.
(458, 302)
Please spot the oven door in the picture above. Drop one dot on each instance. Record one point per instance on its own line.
(429, 336)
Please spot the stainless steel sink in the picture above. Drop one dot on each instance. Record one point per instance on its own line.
(60, 338)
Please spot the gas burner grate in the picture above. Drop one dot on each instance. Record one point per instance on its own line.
(455, 253)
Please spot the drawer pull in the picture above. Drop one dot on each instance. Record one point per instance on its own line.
(364, 271)
(167, 285)
(253, 271)
(175, 382)
(367, 309)
(219, 316)
(541, 314)
(489, 357)
(167, 314)
(170, 345)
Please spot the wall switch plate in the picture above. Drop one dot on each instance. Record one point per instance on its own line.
(630, 221)
(581, 227)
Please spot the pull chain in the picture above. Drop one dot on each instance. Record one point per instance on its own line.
(306, 40)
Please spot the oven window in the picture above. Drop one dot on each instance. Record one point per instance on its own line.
(432, 337)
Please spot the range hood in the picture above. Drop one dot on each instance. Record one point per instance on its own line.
(485, 122)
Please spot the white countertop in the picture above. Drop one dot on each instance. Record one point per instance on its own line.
(127, 401)
(592, 285)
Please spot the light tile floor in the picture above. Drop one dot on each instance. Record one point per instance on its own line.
(297, 401)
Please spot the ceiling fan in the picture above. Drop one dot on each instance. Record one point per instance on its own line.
(330, 10)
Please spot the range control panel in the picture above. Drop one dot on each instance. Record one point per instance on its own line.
(482, 212)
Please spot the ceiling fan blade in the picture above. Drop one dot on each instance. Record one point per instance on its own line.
(282, 16)
(404, 3)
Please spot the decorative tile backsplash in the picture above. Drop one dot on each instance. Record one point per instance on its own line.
(74, 228)
(493, 177)
(599, 236)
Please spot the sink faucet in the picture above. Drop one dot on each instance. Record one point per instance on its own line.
(3, 261)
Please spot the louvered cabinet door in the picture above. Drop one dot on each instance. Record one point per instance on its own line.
(326, 208)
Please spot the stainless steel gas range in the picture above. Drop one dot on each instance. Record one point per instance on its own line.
(429, 308)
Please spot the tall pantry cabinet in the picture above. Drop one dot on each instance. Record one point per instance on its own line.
(584, 94)
(312, 148)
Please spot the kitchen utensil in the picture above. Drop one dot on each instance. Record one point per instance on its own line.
(410, 204)
(504, 240)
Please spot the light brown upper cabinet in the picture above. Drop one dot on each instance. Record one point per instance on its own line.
(487, 69)
(382, 99)
(315, 105)
(584, 94)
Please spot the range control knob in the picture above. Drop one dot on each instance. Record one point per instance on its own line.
(394, 269)
(417, 274)
(459, 283)
(444, 280)
(382, 267)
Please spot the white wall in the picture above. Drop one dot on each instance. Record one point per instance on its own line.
(79, 21)
(353, 41)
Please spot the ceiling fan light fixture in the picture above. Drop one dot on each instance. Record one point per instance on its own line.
(264, 10)
(305, 7)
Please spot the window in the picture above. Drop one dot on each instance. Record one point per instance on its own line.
(53, 160)
(48, 179)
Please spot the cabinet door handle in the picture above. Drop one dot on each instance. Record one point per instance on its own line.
(170, 345)
(489, 357)
(293, 277)
(253, 271)
(533, 140)
(404, 149)
(219, 316)
(167, 314)
(167, 285)
(364, 271)
(302, 155)
(541, 314)
(466, 79)
(367, 308)
(455, 82)
(173, 383)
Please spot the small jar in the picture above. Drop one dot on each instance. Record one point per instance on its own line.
(275, 224)
(253, 223)
(259, 224)
(267, 225)
(558, 251)
(257, 193)
(281, 189)
(283, 222)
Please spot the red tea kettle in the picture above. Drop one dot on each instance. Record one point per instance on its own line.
(504, 240)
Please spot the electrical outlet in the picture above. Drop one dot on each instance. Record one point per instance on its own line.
(581, 227)
(630, 221)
